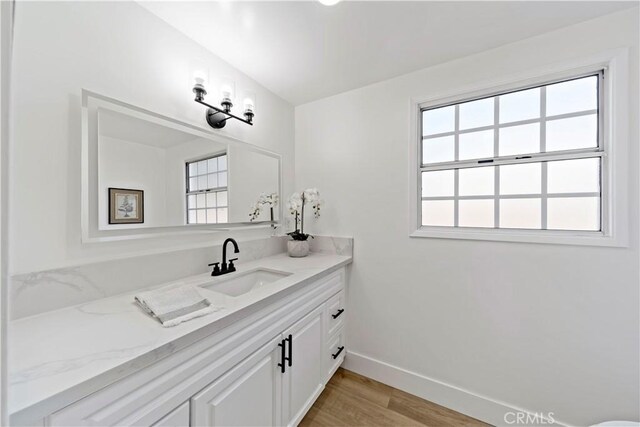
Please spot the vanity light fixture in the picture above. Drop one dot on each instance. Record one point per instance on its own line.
(217, 116)
(249, 105)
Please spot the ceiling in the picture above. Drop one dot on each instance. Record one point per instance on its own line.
(303, 51)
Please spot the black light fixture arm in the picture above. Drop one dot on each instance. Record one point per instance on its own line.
(220, 120)
(217, 117)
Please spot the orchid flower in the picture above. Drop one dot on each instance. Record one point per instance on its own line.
(296, 204)
(269, 200)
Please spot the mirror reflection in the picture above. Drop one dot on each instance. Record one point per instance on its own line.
(151, 175)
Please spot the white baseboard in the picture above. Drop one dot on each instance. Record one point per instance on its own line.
(480, 407)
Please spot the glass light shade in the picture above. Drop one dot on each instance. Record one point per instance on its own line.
(249, 102)
(227, 89)
(329, 2)
(200, 78)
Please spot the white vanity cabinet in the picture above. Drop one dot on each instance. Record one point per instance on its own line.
(335, 346)
(265, 369)
(247, 395)
(304, 379)
(274, 386)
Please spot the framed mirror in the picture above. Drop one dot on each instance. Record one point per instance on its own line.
(145, 174)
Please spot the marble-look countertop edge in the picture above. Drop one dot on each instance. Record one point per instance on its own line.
(55, 402)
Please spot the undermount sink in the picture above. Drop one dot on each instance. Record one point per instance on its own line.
(240, 283)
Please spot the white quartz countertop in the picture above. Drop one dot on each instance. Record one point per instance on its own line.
(59, 356)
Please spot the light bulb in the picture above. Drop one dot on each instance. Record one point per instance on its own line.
(225, 91)
(329, 2)
(199, 77)
(248, 105)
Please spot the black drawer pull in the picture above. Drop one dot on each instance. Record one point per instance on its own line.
(335, 355)
(282, 357)
(290, 358)
(335, 316)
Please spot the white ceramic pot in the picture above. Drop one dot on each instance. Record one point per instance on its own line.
(298, 248)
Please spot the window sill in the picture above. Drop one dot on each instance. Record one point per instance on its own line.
(545, 237)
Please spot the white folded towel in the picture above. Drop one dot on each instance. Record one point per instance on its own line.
(174, 304)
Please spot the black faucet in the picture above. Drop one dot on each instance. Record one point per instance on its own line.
(217, 271)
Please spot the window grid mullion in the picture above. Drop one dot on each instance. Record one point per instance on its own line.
(456, 155)
(208, 173)
(513, 196)
(510, 124)
(543, 148)
(604, 195)
(456, 173)
(456, 198)
(520, 89)
(208, 190)
(496, 169)
(529, 158)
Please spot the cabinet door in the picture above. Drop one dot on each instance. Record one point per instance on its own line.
(303, 381)
(248, 395)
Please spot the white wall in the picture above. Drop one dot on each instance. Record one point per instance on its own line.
(126, 164)
(548, 328)
(122, 51)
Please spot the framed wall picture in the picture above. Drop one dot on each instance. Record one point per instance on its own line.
(126, 206)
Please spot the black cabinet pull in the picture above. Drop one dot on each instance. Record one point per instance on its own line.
(335, 316)
(290, 358)
(282, 357)
(335, 355)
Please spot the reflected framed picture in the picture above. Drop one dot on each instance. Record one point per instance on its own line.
(126, 206)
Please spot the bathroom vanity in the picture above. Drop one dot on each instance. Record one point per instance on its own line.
(83, 353)
(262, 359)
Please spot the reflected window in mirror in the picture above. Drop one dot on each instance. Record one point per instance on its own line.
(207, 193)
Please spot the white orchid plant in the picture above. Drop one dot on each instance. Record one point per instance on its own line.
(264, 200)
(296, 205)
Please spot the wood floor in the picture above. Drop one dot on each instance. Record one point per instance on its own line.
(353, 400)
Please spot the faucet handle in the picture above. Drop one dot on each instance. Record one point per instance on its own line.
(216, 268)
(231, 266)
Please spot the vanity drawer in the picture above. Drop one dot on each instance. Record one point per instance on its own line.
(335, 313)
(334, 353)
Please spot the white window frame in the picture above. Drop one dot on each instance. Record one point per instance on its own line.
(613, 149)
(205, 191)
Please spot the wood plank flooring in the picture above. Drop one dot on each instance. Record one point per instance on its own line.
(353, 400)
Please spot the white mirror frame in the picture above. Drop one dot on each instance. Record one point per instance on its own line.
(89, 172)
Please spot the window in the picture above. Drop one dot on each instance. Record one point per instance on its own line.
(207, 194)
(527, 159)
